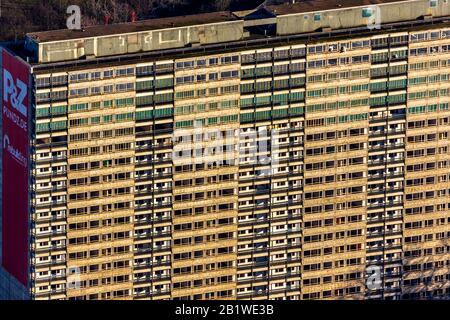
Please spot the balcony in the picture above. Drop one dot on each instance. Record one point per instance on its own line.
(383, 133)
(380, 233)
(380, 247)
(143, 222)
(385, 204)
(388, 190)
(383, 162)
(142, 251)
(389, 146)
(146, 265)
(380, 176)
(382, 218)
(140, 280)
(264, 220)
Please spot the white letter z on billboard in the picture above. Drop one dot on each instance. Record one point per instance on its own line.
(15, 93)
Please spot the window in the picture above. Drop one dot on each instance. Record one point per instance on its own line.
(213, 61)
(95, 120)
(185, 64)
(142, 115)
(124, 116)
(185, 94)
(228, 60)
(43, 97)
(146, 70)
(122, 102)
(78, 122)
(298, 52)
(125, 72)
(144, 85)
(58, 125)
(79, 77)
(163, 98)
(360, 44)
(96, 75)
(124, 87)
(95, 90)
(163, 83)
(161, 113)
(42, 127)
(79, 92)
(316, 49)
(108, 88)
(78, 107)
(184, 124)
(43, 82)
(185, 79)
(213, 76)
(229, 74)
(201, 63)
(108, 74)
(316, 64)
(367, 12)
(143, 101)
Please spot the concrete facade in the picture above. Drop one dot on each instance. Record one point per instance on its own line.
(336, 167)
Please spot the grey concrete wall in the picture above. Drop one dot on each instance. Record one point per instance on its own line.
(352, 17)
(141, 41)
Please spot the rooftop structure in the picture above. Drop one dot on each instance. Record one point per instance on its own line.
(225, 27)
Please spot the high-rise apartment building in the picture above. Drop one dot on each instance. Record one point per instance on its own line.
(298, 151)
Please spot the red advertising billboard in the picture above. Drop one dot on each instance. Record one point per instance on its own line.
(15, 102)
